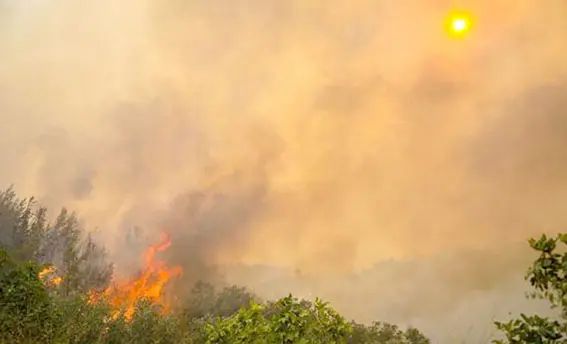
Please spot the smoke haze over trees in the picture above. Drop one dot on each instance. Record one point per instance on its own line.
(37, 306)
(325, 138)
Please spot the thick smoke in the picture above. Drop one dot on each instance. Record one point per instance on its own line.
(325, 136)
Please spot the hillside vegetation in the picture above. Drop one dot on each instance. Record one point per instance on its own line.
(50, 273)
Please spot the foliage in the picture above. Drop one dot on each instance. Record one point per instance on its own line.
(25, 307)
(288, 321)
(80, 322)
(548, 276)
(30, 313)
(205, 300)
(383, 333)
(27, 235)
(33, 312)
(22, 226)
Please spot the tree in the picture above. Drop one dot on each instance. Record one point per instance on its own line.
(383, 333)
(93, 271)
(201, 301)
(22, 226)
(204, 300)
(27, 235)
(231, 299)
(33, 310)
(68, 233)
(548, 276)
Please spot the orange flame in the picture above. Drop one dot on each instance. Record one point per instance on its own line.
(48, 277)
(122, 295)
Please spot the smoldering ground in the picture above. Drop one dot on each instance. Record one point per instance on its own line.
(324, 136)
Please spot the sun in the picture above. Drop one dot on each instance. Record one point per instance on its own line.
(458, 24)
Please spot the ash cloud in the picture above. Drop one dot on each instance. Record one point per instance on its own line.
(322, 136)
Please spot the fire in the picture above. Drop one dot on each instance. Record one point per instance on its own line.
(48, 277)
(122, 295)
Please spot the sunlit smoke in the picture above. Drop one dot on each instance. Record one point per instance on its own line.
(322, 136)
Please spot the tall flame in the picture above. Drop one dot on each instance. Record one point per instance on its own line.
(123, 294)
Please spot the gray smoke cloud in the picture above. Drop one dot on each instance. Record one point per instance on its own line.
(326, 136)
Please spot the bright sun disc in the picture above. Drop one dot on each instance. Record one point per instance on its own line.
(458, 24)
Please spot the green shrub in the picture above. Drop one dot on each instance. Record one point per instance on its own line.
(26, 309)
(285, 321)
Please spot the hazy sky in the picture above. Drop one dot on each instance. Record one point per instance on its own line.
(323, 135)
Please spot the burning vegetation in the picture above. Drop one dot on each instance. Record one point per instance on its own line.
(123, 294)
(49, 276)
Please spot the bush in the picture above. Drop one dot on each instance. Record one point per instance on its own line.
(26, 310)
(285, 321)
